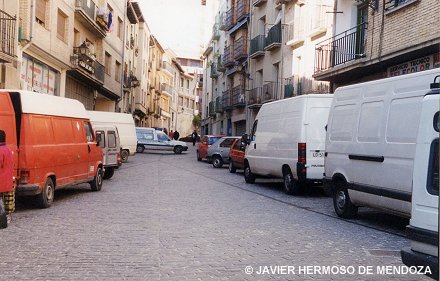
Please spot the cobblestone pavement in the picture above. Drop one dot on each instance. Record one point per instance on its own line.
(168, 217)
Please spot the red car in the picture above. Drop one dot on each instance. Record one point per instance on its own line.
(205, 142)
(236, 156)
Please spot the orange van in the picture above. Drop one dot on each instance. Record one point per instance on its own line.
(52, 141)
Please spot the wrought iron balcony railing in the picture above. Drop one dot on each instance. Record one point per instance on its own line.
(214, 73)
(340, 49)
(167, 88)
(274, 38)
(258, 3)
(270, 92)
(211, 108)
(238, 97)
(257, 46)
(242, 9)
(216, 31)
(218, 105)
(88, 64)
(240, 48)
(7, 37)
(229, 20)
(228, 60)
(92, 16)
(226, 100)
(254, 98)
(167, 66)
(220, 66)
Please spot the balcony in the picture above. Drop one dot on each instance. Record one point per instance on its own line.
(7, 38)
(85, 67)
(167, 89)
(257, 47)
(238, 97)
(140, 109)
(228, 60)
(258, 3)
(255, 100)
(211, 108)
(222, 22)
(226, 100)
(229, 19)
(87, 13)
(270, 92)
(340, 49)
(215, 32)
(242, 9)
(214, 73)
(295, 34)
(131, 81)
(220, 66)
(289, 88)
(273, 38)
(240, 48)
(218, 105)
(166, 66)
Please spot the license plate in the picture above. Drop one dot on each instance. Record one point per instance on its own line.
(318, 154)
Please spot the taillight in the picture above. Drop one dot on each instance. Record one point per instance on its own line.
(24, 176)
(302, 153)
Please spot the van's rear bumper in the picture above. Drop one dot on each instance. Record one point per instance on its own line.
(27, 190)
(412, 258)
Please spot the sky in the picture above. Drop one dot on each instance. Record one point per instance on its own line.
(185, 26)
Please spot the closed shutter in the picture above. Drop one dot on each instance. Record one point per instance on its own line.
(40, 11)
(61, 25)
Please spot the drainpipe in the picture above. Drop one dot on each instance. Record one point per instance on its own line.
(123, 53)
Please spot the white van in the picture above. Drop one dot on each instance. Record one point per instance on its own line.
(371, 146)
(152, 139)
(288, 141)
(126, 128)
(423, 228)
(111, 148)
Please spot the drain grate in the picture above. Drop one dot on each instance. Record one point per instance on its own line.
(384, 253)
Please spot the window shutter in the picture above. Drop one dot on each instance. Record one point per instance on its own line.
(61, 24)
(40, 10)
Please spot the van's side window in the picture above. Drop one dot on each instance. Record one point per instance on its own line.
(102, 143)
(111, 139)
(88, 130)
(254, 131)
(433, 169)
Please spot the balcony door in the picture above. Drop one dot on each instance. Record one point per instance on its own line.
(362, 19)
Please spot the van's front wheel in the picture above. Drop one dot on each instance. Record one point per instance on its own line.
(45, 198)
(140, 149)
(178, 149)
(341, 202)
(96, 183)
(248, 176)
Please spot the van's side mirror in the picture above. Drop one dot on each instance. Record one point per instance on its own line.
(98, 139)
(245, 140)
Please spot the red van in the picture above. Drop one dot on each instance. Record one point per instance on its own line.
(52, 141)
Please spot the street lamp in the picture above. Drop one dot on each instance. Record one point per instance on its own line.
(83, 48)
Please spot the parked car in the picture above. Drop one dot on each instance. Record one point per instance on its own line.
(111, 148)
(423, 228)
(126, 129)
(149, 138)
(188, 138)
(218, 152)
(376, 132)
(53, 143)
(288, 141)
(236, 156)
(205, 142)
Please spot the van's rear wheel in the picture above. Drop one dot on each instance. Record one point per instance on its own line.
(3, 217)
(341, 202)
(140, 149)
(108, 173)
(45, 198)
(248, 176)
(96, 183)
(124, 156)
(217, 161)
(231, 167)
(291, 186)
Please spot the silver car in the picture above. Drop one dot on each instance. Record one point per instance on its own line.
(218, 152)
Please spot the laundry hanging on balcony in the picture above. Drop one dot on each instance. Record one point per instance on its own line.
(110, 22)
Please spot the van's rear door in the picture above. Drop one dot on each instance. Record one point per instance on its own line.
(317, 117)
(112, 147)
(8, 124)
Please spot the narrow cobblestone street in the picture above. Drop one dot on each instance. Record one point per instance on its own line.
(168, 217)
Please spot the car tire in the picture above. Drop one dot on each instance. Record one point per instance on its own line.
(96, 183)
(108, 173)
(178, 149)
(231, 167)
(248, 176)
(3, 217)
(291, 186)
(124, 156)
(217, 161)
(45, 198)
(341, 201)
(198, 156)
(140, 148)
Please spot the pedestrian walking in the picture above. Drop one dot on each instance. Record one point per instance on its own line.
(171, 134)
(176, 135)
(194, 137)
(7, 202)
(165, 131)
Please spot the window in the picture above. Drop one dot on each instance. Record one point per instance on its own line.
(40, 12)
(61, 25)
(227, 142)
(88, 130)
(102, 142)
(433, 169)
(108, 63)
(162, 137)
(118, 71)
(181, 101)
(254, 131)
(111, 139)
(120, 26)
(213, 140)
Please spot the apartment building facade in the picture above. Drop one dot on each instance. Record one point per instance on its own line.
(378, 39)
(154, 98)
